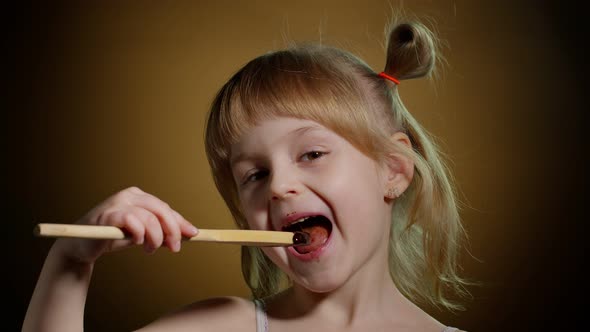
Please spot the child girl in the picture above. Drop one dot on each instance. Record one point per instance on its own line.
(309, 138)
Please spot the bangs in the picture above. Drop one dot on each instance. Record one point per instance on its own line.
(309, 83)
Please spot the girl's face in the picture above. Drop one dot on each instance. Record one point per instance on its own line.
(286, 169)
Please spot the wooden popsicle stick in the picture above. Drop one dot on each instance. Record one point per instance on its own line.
(236, 236)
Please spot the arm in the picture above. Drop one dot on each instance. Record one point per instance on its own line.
(58, 301)
(60, 294)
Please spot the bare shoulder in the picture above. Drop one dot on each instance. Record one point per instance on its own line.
(215, 314)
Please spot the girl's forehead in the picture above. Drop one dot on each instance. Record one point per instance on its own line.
(277, 127)
(276, 130)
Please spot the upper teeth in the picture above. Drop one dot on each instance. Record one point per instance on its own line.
(300, 220)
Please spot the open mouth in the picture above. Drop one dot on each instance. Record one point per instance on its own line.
(317, 227)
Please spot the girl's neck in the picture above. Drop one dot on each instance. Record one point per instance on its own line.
(368, 292)
(354, 299)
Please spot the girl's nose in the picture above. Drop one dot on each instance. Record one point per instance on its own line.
(284, 185)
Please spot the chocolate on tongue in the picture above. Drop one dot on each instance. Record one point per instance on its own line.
(318, 235)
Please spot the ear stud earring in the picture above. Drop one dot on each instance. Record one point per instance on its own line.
(392, 193)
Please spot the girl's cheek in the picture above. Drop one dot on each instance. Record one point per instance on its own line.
(275, 256)
(251, 209)
(269, 252)
(257, 219)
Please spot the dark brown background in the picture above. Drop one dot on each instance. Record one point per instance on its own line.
(105, 95)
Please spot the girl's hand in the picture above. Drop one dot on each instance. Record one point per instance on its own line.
(144, 217)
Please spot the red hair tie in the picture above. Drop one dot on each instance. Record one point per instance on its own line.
(387, 77)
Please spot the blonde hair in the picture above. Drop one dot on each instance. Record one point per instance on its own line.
(341, 92)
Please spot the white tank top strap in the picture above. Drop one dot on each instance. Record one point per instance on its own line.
(261, 319)
(450, 329)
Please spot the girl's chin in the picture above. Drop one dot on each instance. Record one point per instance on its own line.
(318, 282)
(317, 286)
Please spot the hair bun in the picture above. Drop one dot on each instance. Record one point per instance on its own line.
(411, 51)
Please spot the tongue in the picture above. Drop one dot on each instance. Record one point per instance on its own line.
(318, 235)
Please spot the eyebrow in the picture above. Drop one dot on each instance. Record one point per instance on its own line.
(302, 130)
(295, 132)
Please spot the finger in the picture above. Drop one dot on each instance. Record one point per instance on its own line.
(135, 190)
(131, 223)
(128, 222)
(128, 219)
(186, 228)
(123, 197)
(165, 216)
(154, 235)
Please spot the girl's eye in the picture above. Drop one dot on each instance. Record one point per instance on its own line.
(312, 155)
(255, 176)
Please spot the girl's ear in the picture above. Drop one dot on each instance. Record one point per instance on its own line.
(399, 168)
